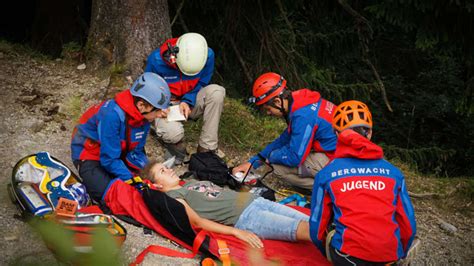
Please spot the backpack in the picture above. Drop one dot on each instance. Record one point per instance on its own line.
(209, 166)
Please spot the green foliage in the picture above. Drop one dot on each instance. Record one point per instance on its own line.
(117, 69)
(74, 107)
(71, 47)
(432, 158)
(244, 129)
(15, 49)
(421, 49)
(105, 250)
(241, 128)
(428, 113)
(117, 78)
(57, 238)
(322, 81)
(72, 51)
(434, 23)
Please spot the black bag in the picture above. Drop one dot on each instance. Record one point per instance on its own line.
(209, 166)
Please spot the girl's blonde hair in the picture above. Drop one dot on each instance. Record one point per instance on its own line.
(146, 171)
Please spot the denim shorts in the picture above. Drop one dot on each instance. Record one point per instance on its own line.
(271, 220)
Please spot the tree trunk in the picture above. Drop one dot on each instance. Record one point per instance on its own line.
(124, 32)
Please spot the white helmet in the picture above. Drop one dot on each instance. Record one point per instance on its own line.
(192, 55)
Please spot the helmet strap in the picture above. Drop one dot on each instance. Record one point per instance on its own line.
(283, 110)
(280, 108)
(286, 113)
(171, 53)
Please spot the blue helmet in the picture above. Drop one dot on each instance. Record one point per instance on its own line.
(153, 89)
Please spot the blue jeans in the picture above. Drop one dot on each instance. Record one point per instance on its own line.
(271, 220)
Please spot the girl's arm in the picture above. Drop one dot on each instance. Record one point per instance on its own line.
(214, 227)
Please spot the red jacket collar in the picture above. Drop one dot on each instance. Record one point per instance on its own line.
(304, 97)
(164, 48)
(351, 144)
(124, 99)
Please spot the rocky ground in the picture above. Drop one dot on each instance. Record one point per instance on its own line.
(40, 99)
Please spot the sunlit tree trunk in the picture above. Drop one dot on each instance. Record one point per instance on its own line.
(124, 32)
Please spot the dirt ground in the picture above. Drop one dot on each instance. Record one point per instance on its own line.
(37, 99)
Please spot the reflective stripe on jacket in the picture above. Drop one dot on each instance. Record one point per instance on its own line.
(184, 88)
(367, 198)
(101, 135)
(309, 129)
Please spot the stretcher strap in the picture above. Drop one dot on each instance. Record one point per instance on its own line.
(224, 252)
(200, 237)
(133, 180)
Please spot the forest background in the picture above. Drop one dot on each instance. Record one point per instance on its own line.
(410, 60)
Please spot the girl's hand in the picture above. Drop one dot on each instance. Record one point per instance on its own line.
(249, 237)
(244, 168)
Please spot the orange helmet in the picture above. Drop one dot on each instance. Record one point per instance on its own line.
(351, 114)
(266, 87)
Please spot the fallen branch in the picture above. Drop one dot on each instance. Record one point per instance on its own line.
(423, 195)
(236, 138)
(433, 195)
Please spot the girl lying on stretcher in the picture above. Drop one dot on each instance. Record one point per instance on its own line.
(225, 211)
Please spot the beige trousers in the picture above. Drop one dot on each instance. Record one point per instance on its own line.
(209, 105)
(302, 176)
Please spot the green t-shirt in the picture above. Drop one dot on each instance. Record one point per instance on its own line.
(212, 202)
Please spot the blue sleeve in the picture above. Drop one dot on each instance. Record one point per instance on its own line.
(405, 217)
(320, 212)
(295, 152)
(151, 62)
(110, 146)
(279, 142)
(204, 78)
(137, 158)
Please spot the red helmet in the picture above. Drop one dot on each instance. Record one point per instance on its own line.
(267, 86)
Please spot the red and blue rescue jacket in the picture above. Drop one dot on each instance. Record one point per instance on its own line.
(101, 135)
(368, 200)
(184, 88)
(309, 128)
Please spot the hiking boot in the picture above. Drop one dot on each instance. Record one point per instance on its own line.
(217, 151)
(201, 149)
(178, 150)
